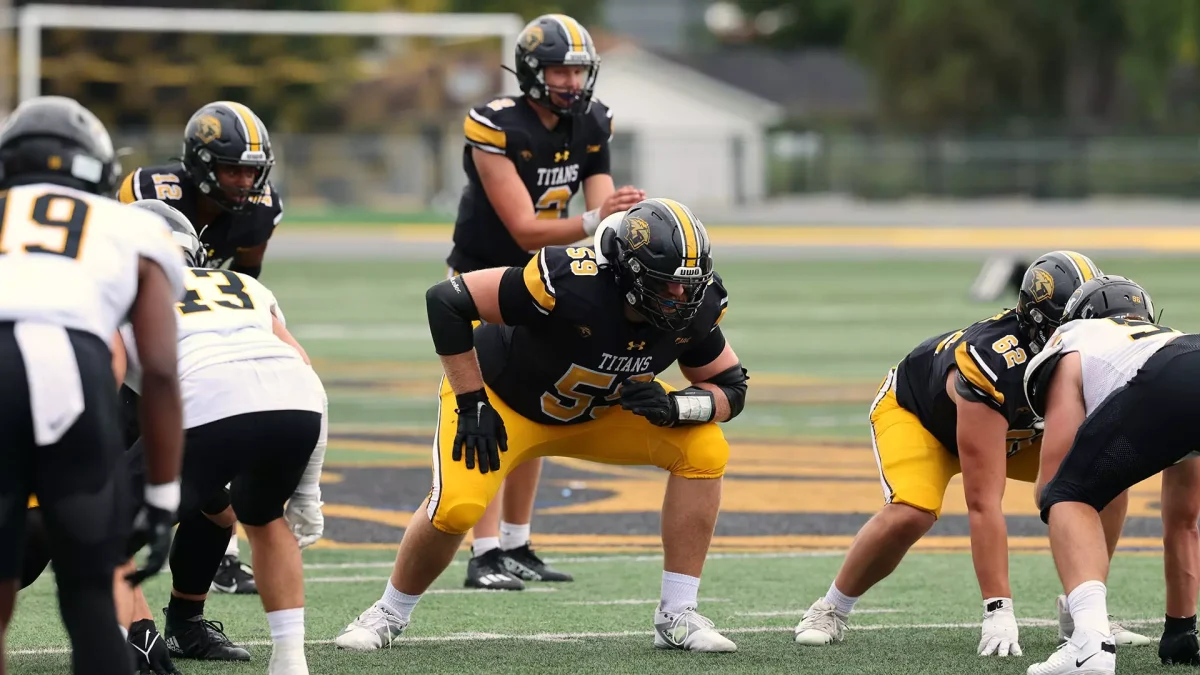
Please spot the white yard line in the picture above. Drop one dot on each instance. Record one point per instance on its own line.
(576, 560)
(567, 637)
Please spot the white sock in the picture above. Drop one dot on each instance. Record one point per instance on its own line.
(232, 549)
(483, 545)
(1088, 603)
(400, 603)
(286, 624)
(679, 591)
(124, 632)
(513, 536)
(844, 603)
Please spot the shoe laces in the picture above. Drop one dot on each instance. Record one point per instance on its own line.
(526, 552)
(824, 618)
(492, 562)
(215, 630)
(691, 616)
(379, 616)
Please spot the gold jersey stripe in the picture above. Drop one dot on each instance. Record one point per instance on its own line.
(971, 371)
(537, 285)
(483, 134)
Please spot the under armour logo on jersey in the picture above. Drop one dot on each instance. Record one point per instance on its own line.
(636, 345)
(562, 156)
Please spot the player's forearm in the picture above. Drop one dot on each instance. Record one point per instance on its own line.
(534, 233)
(161, 414)
(720, 401)
(462, 371)
(989, 551)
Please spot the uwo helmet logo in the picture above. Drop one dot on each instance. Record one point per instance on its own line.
(532, 38)
(639, 233)
(1043, 285)
(689, 272)
(207, 128)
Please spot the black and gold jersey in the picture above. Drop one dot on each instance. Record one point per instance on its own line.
(990, 357)
(567, 345)
(225, 235)
(552, 163)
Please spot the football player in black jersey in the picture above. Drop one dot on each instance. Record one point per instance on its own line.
(222, 184)
(565, 365)
(956, 404)
(525, 158)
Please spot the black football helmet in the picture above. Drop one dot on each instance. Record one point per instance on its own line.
(556, 40)
(1045, 290)
(1107, 296)
(659, 242)
(227, 132)
(54, 139)
(181, 230)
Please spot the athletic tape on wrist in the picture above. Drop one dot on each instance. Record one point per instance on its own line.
(165, 496)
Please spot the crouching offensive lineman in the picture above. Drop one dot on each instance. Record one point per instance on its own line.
(954, 405)
(74, 264)
(253, 419)
(1119, 396)
(566, 367)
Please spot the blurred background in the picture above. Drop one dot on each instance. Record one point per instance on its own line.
(754, 102)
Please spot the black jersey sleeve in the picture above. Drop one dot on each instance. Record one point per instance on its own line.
(989, 369)
(494, 127)
(708, 341)
(148, 182)
(600, 120)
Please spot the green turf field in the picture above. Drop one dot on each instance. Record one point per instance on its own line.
(816, 336)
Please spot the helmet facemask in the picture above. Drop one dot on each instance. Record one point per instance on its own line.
(646, 291)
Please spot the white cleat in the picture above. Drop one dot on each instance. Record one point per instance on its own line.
(376, 628)
(822, 624)
(1097, 656)
(690, 632)
(1122, 636)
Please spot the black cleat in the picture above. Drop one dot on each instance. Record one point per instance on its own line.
(487, 572)
(204, 640)
(149, 650)
(234, 576)
(524, 563)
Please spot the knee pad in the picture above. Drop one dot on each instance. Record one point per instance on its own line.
(457, 516)
(705, 454)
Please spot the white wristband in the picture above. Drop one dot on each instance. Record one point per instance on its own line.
(165, 496)
(591, 221)
(694, 407)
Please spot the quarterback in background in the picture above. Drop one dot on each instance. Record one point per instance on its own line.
(565, 365)
(222, 186)
(525, 158)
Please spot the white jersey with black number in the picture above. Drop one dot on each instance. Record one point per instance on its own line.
(70, 258)
(1111, 351)
(230, 360)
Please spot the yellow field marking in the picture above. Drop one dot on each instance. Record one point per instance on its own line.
(1148, 237)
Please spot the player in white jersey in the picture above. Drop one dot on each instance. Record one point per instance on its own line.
(1118, 394)
(253, 416)
(73, 265)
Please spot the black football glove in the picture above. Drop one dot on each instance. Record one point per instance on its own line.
(151, 527)
(481, 431)
(1180, 647)
(149, 650)
(650, 400)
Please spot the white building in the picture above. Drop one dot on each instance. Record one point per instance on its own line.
(682, 134)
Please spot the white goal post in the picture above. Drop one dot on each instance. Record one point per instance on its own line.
(32, 19)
